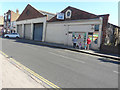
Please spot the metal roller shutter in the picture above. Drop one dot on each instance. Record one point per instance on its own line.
(27, 32)
(19, 30)
(38, 32)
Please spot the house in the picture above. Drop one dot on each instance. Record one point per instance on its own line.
(1, 24)
(73, 22)
(31, 24)
(10, 18)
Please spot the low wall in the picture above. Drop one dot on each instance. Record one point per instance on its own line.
(110, 49)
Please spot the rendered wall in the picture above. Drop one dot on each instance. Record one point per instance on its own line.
(59, 32)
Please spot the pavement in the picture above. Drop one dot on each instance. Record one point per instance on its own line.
(12, 77)
(92, 52)
(65, 68)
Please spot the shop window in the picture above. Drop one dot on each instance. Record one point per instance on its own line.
(93, 36)
(96, 27)
(96, 40)
(90, 35)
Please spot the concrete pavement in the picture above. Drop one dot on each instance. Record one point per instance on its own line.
(13, 77)
(67, 69)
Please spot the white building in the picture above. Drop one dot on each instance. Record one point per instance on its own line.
(72, 22)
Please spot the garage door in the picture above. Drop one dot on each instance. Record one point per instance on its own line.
(38, 32)
(27, 32)
(19, 30)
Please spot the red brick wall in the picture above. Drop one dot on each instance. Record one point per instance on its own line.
(30, 13)
(104, 27)
(110, 49)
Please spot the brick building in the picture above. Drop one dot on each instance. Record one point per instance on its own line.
(10, 18)
(111, 43)
(1, 24)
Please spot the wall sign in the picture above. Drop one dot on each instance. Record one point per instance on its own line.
(60, 16)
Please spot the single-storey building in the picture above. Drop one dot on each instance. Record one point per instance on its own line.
(31, 24)
(72, 22)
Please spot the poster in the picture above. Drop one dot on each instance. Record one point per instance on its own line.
(81, 38)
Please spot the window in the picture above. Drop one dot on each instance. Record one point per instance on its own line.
(96, 27)
(68, 13)
(9, 17)
(5, 18)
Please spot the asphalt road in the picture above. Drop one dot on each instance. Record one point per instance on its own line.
(67, 69)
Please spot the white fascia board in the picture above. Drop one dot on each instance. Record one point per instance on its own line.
(28, 21)
(75, 22)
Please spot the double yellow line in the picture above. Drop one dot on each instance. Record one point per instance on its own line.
(33, 73)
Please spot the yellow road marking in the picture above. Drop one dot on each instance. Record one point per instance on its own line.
(33, 73)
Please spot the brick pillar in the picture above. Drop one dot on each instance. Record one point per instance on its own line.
(104, 27)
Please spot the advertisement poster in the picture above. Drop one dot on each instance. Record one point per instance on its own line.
(81, 38)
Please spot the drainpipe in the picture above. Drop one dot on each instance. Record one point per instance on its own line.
(100, 33)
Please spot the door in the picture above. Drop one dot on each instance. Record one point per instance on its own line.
(27, 31)
(38, 32)
(19, 30)
(70, 42)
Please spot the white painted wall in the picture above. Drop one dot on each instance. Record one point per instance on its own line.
(57, 32)
(80, 28)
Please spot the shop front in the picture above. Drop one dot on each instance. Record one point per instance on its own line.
(80, 36)
(72, 22)
(82, 29)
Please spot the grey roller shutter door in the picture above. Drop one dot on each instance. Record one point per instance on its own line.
(38, 32)
(19, 30)
(27, 32)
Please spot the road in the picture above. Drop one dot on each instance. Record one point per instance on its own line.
(67, 69)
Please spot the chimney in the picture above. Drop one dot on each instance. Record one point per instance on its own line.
(17, 11)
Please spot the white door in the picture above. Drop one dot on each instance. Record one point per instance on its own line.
(70, 42)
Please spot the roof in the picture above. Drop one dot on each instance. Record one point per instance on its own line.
(30, 13)
(44, 12)
(114, 25)
(77, 14)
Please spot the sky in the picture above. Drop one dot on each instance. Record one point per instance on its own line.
(97, 8)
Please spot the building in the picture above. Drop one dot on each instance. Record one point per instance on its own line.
(32, 23)
(73, 22)
(10, 18)
(1, 24)
(112, 40)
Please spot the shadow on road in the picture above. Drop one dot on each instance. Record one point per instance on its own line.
(108, 60)
(38, 43)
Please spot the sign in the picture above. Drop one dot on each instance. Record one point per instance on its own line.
(60, 16)
(68, 14)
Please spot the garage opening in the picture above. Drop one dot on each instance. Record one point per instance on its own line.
(38, 32)
(27, 31)
(19, 30)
